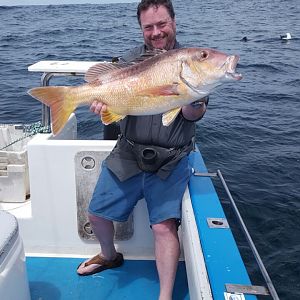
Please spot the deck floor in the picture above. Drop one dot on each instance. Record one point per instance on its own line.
(56, 278)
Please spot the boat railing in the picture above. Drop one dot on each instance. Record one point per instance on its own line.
(233, 288)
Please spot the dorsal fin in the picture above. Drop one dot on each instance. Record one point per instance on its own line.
(148, 54)
(100, 69)
(154, 52)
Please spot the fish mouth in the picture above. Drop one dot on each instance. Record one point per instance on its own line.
(230, 66)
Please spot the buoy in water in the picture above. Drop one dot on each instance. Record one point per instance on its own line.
(287, 36)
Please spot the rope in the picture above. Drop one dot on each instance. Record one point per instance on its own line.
(29, 130)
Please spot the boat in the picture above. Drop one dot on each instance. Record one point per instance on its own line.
(47, 232)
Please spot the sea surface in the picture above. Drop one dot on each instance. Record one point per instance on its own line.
(251, 131)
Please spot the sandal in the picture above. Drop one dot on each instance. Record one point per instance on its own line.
(103, 263)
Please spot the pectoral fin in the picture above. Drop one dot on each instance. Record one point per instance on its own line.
(109, 117)
(170, 116)
(164, 90)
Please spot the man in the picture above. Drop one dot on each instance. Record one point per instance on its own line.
(125, 171)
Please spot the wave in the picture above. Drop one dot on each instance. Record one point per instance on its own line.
(6, 7)
(294, 83)
(264, 67)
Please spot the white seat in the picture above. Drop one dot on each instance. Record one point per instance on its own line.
(13, 276)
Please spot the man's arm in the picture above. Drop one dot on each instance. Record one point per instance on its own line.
(196, 110)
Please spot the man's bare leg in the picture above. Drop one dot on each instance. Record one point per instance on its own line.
(167, 251)
(104, 231)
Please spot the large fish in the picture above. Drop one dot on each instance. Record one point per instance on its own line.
(162, 83)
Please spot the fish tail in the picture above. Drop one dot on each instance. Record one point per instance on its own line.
(60, 101)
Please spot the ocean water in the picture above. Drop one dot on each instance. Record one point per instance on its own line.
(251, 131)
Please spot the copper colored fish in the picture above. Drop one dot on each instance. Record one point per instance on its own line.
(162, 83)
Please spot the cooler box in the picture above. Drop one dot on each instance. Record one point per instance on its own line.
(14, 284)
(14, 176)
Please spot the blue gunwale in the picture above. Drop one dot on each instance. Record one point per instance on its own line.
(222, 257)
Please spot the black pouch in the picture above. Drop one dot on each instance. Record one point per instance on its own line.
(151, 158)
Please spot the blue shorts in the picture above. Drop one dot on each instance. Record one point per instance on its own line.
(114, 200)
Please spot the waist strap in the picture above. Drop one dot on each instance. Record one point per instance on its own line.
(151, 158)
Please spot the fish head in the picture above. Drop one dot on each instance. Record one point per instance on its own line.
(208, 68)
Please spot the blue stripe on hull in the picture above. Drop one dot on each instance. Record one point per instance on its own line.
(223, 261)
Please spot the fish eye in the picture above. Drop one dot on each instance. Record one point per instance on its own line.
(204, 54)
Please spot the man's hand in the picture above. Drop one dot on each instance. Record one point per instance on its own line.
(196, 110)
(98, 107)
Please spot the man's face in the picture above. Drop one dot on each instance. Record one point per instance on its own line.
(159, 30)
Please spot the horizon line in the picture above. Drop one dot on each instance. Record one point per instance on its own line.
(60, 2)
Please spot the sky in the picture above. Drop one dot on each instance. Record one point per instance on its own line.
(46, 2)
